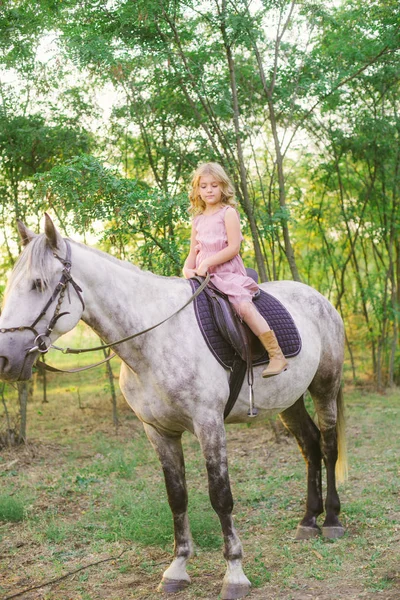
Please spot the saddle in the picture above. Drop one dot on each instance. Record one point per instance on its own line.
(231, 341)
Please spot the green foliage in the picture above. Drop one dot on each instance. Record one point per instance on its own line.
(29, 145)
(20, 27)
(83, 192)
(309, 95)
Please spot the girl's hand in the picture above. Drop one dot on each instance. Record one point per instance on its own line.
(202, 269)
(188, 273)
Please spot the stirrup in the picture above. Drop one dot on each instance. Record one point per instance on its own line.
(252, 412)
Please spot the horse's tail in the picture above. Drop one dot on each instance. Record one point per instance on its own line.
(341, 464)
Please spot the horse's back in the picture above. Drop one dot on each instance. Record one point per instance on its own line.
(303, 301)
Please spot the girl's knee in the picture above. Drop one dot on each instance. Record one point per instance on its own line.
(244, 309)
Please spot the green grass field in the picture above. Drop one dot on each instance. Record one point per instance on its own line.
(79, 493)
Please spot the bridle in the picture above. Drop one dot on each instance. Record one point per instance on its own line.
(40, 344)
(60, 290)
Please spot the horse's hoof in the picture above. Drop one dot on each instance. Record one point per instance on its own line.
(333, 533)
(232, 591)
(172, 586)
(307, 533)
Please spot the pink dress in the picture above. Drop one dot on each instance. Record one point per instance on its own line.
(230, 277)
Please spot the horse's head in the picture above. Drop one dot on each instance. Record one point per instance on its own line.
(42, 301)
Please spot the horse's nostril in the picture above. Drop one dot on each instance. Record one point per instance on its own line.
(3, 364)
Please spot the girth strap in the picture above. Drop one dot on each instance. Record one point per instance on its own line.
(236, 379)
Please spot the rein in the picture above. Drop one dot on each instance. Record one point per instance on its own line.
(60, 290)
(130, 337)
(125, 339)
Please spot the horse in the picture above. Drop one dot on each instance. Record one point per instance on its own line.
(172, 381)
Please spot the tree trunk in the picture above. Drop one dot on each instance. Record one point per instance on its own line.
(219, 134)
(110, 375)
(282, 195)
(396, 329)
(44, 375)
(9, 438)
(279, 165)
(23, 405)
(242, 169)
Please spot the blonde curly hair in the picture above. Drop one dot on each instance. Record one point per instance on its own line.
(197, 205)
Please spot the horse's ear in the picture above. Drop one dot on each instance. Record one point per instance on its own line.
(25, 234)
(54, 239)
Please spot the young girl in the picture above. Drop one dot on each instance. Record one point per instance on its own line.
(214, 249)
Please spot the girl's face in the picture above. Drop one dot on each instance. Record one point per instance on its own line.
(210, 190)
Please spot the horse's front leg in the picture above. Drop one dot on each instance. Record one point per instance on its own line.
(211, 434)
(169, 450)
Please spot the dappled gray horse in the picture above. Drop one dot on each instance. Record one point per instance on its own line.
(172, 381)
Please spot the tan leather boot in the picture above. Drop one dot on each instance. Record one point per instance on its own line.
(277, 361)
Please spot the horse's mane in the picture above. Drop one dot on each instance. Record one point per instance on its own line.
(33, 262)
(121, 263)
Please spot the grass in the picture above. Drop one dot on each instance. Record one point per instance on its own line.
(11, 509)
(79, 493)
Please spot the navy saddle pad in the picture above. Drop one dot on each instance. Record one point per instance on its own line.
(277, 316)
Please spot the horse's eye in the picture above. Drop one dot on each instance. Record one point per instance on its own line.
(38, 285)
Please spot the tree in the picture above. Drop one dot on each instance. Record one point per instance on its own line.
(135, 216)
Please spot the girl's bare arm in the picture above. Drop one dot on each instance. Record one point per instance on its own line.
(190, 262)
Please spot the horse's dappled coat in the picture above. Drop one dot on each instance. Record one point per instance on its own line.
(173, 382)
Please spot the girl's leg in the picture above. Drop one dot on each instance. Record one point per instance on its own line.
(250, 315)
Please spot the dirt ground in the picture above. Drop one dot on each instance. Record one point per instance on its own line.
(364, 564)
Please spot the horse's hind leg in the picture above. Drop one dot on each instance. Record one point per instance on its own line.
(329, 405)
(170, 453)
(211, 434)
(299, 423)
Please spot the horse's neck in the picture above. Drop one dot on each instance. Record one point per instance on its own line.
(121, 299)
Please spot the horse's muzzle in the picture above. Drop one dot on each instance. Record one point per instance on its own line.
(20, 370)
